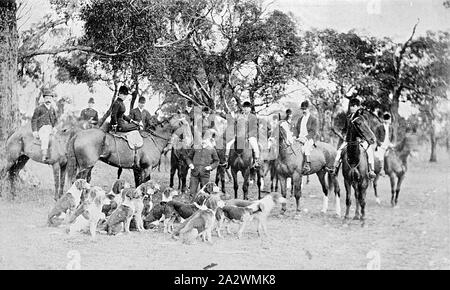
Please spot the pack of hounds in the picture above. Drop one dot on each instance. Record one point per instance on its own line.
(90, 209)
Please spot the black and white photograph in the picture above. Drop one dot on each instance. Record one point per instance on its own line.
(224, 136)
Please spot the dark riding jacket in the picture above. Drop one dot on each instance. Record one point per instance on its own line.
(311, 126)
(143, 116)
(118, 116)
(201, 158)
(349, 125)
(43, 116)
(90, 115)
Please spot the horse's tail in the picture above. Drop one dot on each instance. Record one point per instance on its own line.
(72, 163)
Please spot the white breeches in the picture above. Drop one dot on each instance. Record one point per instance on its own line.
(308, 147)
(44, 134)
(369, 149)
(253, 144)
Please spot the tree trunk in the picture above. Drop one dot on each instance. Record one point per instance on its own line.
(9, 103)
(106, 115)
(433, 157)
(447, 144)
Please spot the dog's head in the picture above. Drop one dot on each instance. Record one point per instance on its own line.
(208, 188)
(81, 184)
(168, 194)
(148, 188)
(278, 198)
(97, 197)
(131, 193)
(214, 202)
(119, 185)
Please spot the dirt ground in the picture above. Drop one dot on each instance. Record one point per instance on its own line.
(413, 236)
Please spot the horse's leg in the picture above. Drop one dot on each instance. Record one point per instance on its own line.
(184, 171)
(14, 172)
(296, 189)
(119, 172)
(348, 198)
(333, 184)
(137, 177)
(283, 189)
(246, 176)
(375, 181)
(357, 203)
(62, 178)
(401, 177)
(362, 200)
(235, 183)
(56, 176)
(323, 183)
(392, 178)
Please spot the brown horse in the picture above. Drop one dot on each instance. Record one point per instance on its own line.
(395, 166)
(21, 146)
(289, 163)
(355, 168)
(89, 146)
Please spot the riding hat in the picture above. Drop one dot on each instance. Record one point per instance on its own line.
(47, 92)
(386, 116)
(142, 100)
(91, 101)
(304, 105)
(247, 104)
(354, 102)
(206, 110)
(123, 90)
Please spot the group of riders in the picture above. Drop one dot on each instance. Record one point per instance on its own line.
(202, 160)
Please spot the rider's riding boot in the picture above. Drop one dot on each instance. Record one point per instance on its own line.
(334, 169)
(257, 162)
(371, 172)
(307, 166)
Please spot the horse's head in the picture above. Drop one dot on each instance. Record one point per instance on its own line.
(363, 130)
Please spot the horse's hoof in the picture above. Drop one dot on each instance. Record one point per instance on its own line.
(378, 201)
(355, 218)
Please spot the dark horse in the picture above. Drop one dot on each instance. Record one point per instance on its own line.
(395, 166)
(89, 146)
(355, 167)
(289, 163)
(21, 146)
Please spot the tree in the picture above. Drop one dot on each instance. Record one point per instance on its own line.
(428, 80)
(9, 108)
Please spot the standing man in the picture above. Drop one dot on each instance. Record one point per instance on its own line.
(385, 135)
(248, 125)
(89, 114)
(306, 132)
(118, 117)
(201, 162)
(141, 115)
(43, 122)
(355, 106)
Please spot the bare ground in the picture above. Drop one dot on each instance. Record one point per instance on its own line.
(413, 236)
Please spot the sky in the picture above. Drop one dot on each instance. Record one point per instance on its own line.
(392, 18)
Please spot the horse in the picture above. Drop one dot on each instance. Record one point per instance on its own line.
(290, 161)
(395, 166)
(21, 146)
(355, 168)
(89, 146)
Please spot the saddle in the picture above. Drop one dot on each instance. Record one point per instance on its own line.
(133, 138)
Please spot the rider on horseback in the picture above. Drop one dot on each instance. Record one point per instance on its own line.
(355, 111)
(90, 114)
(118, 117)
(250, 129)
(306, 133)
(141, 115)
(43, 122)
(385, 135)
